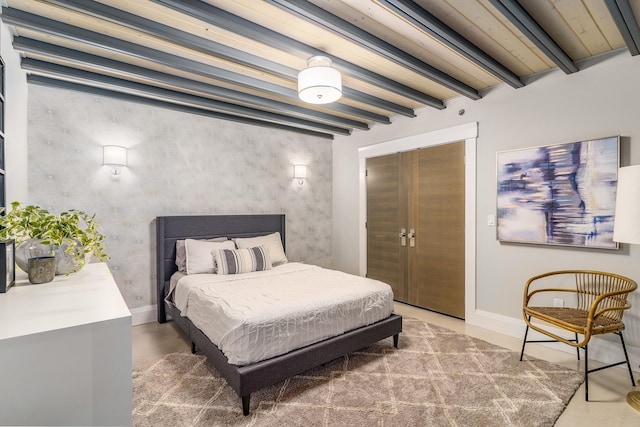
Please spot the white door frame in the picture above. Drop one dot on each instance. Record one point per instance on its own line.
(467, 133)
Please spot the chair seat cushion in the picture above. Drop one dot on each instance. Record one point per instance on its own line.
(573, 319)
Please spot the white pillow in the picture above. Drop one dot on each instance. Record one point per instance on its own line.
(199, 255)
(271, 241)
(181, 254)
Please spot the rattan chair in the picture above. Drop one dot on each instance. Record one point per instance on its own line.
(596, 306)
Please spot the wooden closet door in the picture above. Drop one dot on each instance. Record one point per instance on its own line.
(386, 216)
(437, 260)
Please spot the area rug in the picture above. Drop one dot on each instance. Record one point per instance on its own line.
(436, 377)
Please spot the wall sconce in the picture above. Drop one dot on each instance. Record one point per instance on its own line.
(300, 173)
(114, 156)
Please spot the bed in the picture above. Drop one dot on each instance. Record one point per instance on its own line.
(246, 379)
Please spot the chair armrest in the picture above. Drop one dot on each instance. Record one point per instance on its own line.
(528, 294)
(542, 276)
(528, 297)
(594, 312)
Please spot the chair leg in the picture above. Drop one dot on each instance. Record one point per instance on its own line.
(586, 373)
(577, 348)
(626, 356)
(524, 341)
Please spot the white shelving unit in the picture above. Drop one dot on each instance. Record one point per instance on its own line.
(65, 351)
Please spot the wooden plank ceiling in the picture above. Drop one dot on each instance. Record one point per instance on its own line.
(239, 59)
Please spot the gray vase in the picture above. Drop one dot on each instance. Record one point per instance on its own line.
(41, 269)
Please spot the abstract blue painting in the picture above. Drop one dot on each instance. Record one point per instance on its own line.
(559, 194)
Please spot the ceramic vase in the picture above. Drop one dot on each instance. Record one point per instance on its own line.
(41, 269)
(30, 248)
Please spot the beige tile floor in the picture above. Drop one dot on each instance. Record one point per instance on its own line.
(607, 388)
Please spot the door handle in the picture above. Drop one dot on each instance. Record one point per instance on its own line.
(403, 237)
(412, 238)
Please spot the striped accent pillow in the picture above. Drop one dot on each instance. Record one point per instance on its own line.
(238, 261)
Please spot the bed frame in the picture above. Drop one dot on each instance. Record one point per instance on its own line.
(250, 378)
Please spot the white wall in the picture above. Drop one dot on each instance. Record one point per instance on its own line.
(15, 119)
(601, 100)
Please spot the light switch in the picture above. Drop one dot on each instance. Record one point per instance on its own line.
(491, 220)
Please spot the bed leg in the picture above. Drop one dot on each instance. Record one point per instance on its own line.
(395, 340)
(162, 314)
(193, 347)
(245, 404)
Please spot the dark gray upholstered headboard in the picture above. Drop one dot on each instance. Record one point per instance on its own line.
(172, 228)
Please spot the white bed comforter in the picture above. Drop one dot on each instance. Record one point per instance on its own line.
(256, 316)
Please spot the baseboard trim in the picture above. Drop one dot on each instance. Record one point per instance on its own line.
(606, 350)
(141, 315)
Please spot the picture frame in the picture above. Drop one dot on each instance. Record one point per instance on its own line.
(562, 194)
(7, 265)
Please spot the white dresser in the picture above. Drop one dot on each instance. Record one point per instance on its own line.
(65, 351)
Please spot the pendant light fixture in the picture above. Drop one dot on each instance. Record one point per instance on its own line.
(319, 83)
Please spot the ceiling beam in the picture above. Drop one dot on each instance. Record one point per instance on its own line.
(62, 84)
(519, 17)
(207, 46)
(627, 24)
(30, 46)
(425, 21)
(223, 19)
(59, 29)
(318, 16)
(167, 95)
(383, 104)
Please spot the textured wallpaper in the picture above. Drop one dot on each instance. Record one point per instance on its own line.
(179, 164)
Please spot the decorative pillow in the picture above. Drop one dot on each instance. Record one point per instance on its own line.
(199, 255)
(181, 255)
(237, 261)
(271, 241)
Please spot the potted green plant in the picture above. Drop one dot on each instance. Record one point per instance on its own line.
(71, 236)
